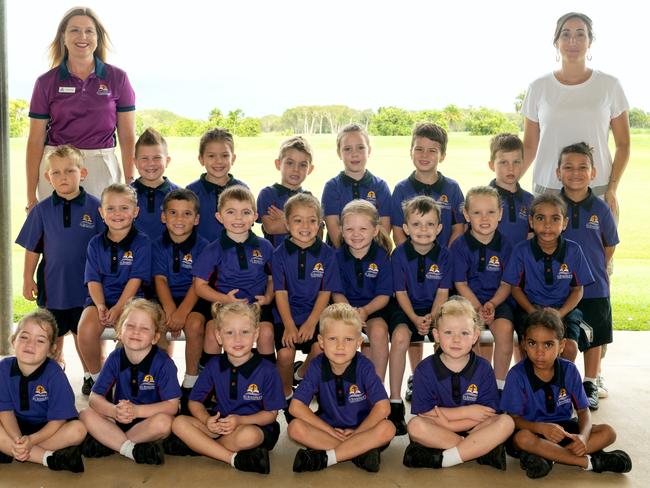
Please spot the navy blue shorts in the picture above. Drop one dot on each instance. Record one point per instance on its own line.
(201, 306)
(597, 313)
(399, 317)
(304, 347)
(67, 320)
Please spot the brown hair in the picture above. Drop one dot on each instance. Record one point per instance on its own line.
(302, 200)
(549, 318)
(216, 135)
(182, 194)
(151, 137)
(458, 306)
(550, 199)
(363, 207)
(505, 142)
(485, 191)
(348, 129)
(579, 148)
(421, 204)
(120, 189)
(239, 193)
(66, 151)
(44, 319)
(58, 50)
(220, 310)
(341, 312)
(298, 143)
(573, 15)
(431, 131)
(152, 309)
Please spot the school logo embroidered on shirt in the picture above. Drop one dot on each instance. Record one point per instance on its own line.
(471, 394)
(187, 262)
(372, 271)
(256, 257)
(593, 223)
(564, 273)
(252, 393)
(318, 271)
(103, 90)
(443, 201)
(40, 394)
(563, 398)
(433, 273)
(87, 222)
(523, 213)
(371, 197)
(494, 264)
(148, 383)
(355, 395)
(127, 259)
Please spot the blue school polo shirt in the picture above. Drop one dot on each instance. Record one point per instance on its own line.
(445, 192)
(113, 264)
(152, 380)
(208, 193)
(228, 265)
(592, 225)
(480, 265)
(364, 279)
(420, 275)
(61, 229)
(547, 279)
(247, 389)
(435, 385)
(39, 397)
(150, 202)
(527, 396)
(344, 400)
(175, 261)
(275, 195)
(342, 189)
(303, 273)
(514, 224)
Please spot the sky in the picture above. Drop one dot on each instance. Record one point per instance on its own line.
(266, 56)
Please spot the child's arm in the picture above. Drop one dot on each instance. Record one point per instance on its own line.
(267, 298)
(578, 446)
(228, 424)
(46, 432)
(423, 324)
(339, 298)
(30, 291)
(301, 411)
(609, 254)
(379, 412)
(442, 295)
(96, 292)
(572, 300)
(457, 230)
(500, 296)
(332, 222)
(308, 327)
(465, 291)
(102, 406)
(131, 288)
(521, 298)
(385, 223)
(290, 335)
(273, 222)
(399, 236)
(165, 298)
(374, 305)
(205, 291)
(551, 432)
(10, 424)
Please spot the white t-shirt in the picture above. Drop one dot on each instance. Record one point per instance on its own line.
(568, 114)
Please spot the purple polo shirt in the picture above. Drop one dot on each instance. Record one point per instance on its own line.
(547, 279)
(527, 396)
(39, 397)
(150, 203)
(592, 225)
(435, 385)
(208, 193)
(82, 112)
(253, 387)
(516, 208)
(344, 400)
(480, 265)
(152, 380)
(228, 265)
(113, 264)
(420, 275)
(175, 261)
(364, 279)
(61, 229)
(275, 195)
(342, 189)
(445, 192)
(303, 274)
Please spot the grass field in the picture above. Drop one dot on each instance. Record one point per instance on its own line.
(466, 162)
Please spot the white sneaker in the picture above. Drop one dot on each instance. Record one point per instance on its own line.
(602, 389)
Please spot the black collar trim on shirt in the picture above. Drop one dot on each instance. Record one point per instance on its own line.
(314, 249)
(350, 373)
(100, 68)
(537, 383)
(214, 188)
(474, 244)
(366, 179)
(245, 369)
(226, 242)
(78, 200)
(124, 244)
(34, 375)
(586, 203)
(420, 187)
(503, 193)
(185, 246)
(164, 187)
(371, 254)
(144, 366)
(443, 372)
(283, 190)
(558, 254)
(412, 254)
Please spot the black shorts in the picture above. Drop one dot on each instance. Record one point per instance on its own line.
(399, 317)
(505, 311)
(67, 320)
(304, 347)
(572, 326)
(28, 428)
(597, 313)
(201, 306)
(127, 427)
(271, 434)
(571, 426)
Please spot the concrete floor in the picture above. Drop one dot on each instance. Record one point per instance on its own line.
(627, 370)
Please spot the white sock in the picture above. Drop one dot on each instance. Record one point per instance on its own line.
(189, 380)
(592, 380)
(288, 397)
(589, 465)
(126, 449)
(451, 457)
(46, 455)
(86, 375)
(296, 376)
(331, 457)
(396, 400)
(501, 384)
(94, 376)
(232, 460)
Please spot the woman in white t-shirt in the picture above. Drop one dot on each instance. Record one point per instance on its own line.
(575, 104)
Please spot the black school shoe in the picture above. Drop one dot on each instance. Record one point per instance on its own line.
(87, 386)
(92, 448)
(397, 417)
(66, 459)
(495, 458)
(614, 461)
(592, 394)
(418, 456)
(368, 461)
(174, 446)
(408, 395)
(149, 453)
(534, 465)
(309, 460)
(254, 460)
(5, 459)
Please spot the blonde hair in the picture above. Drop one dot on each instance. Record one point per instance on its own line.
(340, 312)
(58, 50)
(239, 193)
(120, 189)
(298, 143)
(220, 311)
(66, 151)
(152, 309)
(363, 207)
(44, 319)
(348, 129)
(483, 191)
(458, 306)
(302, 200)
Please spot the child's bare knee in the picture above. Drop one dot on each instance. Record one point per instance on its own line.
(524, 440)
(296, 429)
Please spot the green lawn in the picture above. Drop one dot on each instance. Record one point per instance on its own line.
(466, 162)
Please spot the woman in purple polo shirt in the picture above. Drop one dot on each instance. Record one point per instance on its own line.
(81, 101)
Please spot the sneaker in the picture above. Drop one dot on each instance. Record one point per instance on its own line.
(592, 394)
(185, 398)
(66, 459)
(87, 386)
(296, 367)
(534, 465)
(174, 446)
(92, 448)
(397, 417)
(602, 389)
(149, 453)
(309, 460)
(614, 461)
(368, 461)
(418, 456)
(409, 389)
(254, 460)
(495, 458)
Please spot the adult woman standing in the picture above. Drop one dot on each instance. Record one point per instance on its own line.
(81, 101)
(574, 104)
